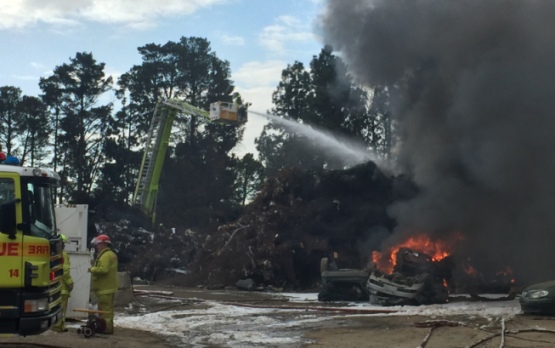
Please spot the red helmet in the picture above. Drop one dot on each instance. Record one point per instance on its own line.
(101, 238)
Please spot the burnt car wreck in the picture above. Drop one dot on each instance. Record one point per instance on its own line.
(416, 279)
(342, 284)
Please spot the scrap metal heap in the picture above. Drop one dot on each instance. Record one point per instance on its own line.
(299, 217)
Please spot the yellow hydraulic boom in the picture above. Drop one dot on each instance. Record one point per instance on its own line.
(146, 190)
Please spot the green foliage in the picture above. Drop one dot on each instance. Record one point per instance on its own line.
(325, 97)
(119, 173)
(51, 97)
(197, 178)
(293, 95)
(278, 148)
(10, 97)
(73, 91)
(24, 126)
(380, 135)
(186, 70)
(196, 187)
(250, 175)
(34, 130)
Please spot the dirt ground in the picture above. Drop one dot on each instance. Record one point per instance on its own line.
(403, 332)
(340, 330)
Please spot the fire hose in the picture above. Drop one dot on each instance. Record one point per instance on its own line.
(319, 308)
(305, 308)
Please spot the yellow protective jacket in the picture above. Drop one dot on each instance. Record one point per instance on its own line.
(66, 281)
(105, 273)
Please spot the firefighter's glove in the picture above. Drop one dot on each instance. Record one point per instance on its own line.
(70, 287)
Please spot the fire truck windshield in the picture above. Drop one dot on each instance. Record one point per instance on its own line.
(7, 190)
(39, 208)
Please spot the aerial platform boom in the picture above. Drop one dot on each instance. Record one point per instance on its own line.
(146, 190)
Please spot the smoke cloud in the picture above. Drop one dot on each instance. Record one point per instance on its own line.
(474, 104)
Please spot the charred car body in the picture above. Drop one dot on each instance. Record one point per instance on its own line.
(416, 279)
(342, 284)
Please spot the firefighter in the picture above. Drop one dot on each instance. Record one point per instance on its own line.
(67, 287)
(105, 279)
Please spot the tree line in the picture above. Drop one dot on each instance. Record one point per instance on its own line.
(75, 128)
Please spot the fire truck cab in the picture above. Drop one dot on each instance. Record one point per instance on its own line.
(30, 251)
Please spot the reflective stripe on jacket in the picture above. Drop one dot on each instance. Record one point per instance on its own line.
(105, 273)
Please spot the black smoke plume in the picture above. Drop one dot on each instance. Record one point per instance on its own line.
(474, 105)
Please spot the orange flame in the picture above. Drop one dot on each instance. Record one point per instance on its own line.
(507, 272)
(468, 269)
(438, 249)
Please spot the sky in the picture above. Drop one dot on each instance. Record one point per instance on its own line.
(258, 38)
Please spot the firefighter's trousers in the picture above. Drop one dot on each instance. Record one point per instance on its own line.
(106, 303)
(61, 324)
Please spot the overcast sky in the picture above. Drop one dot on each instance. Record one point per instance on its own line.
(258, 37)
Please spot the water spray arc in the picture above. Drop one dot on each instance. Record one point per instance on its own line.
(352, 152)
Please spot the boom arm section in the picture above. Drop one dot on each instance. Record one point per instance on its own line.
(185, 108)
(146, 190)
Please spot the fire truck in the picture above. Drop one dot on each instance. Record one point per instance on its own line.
(31, 258)
(157, 142)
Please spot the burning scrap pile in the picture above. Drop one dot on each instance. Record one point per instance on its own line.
(299, 218)
(400, 275)
(417, 278)
(417, 271)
